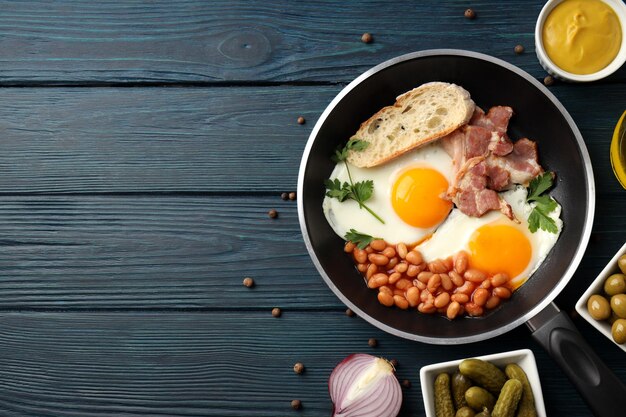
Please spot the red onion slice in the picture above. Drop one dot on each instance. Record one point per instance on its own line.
(364, 386)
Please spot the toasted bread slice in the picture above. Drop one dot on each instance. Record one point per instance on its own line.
(418, 117)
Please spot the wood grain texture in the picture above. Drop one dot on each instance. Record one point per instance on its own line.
(109, 252)
(231, 139)
(220, 364)
(221, 41)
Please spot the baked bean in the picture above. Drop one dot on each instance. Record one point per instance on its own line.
(419, 284)
(474, 275)
(403, 284)
(400, 302)
(460, 298)
(456, 278)
(369, 249)
(502, 292)
(385, 289)
(402, 250)
(385, 299)
(480, 296)
(473, 309)
(486, 284)
(433, 283)
(401, 267)
(413, 296)
(424, 276)
(378, 280)
(499, 279)
(461, 260)
(378, 259)
(449, 263)
(437, 266)
(492, 302)
(392, 263)
(378, 244)
(393, 278)
(412, 271)
(362, 268)
(446, 282)
(398, 292)
(442, 300)
(467, 288)
(389, 252)
(453, 310)
(424, 295)
(462, 310)
(414, 257)
(426, 309)
(371, 270)
(349, 247)
(360, 255)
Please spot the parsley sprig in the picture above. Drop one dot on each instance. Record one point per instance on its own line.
(544, 204)
(360, 191)
(361, 240)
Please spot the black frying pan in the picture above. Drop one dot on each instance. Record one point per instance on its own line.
(538, 116)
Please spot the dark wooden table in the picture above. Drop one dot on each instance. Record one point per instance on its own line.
(142, 146)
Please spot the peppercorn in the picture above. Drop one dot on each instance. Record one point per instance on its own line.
(284, 196)
(349, 313)
(248, 282)
(519, 49)
(298, 368)
(272, 213)
(470, 14)
(296, 404)
(372, 342)
(301, 120)
(394, 363)
(367, 38)
(406, 384)
(276, 312)
(549, 80)
(292, 196)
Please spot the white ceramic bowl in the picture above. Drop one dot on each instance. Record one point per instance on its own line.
(597, 287)
(523, 357)
(620, 9)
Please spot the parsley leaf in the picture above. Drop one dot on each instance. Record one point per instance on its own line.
(361, 240)
(544, 204)
(359, 192)
(362, 191)
(337, 190)
(539, 185)
(539, 219)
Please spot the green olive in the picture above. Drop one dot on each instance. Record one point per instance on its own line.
(618, 305)
(618, 330)
(465, 412)
(599, 307)
(621, 262)
(615, 284)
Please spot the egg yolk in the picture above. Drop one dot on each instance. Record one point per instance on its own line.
(499, 248)
(416, 197)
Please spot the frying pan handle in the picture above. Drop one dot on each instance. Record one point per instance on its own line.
(602, 390)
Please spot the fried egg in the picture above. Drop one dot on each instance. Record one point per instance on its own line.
(407, 195)
(495, 243)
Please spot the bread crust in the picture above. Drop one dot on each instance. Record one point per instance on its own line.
(462, 115)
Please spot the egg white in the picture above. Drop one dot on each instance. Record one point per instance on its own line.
(343, 216)
(454, 234)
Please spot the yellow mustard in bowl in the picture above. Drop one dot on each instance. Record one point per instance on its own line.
(582, 36)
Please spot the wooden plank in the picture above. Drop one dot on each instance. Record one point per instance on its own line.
(198, 41)
(82, 140)
(220, 364)
(109, 252)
